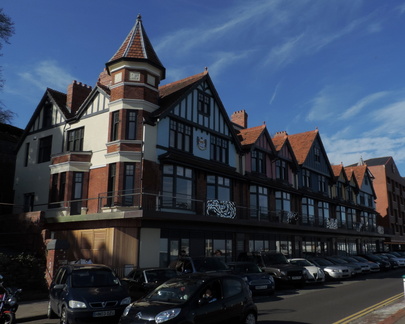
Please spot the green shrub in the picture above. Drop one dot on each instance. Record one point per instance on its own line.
(24, 271)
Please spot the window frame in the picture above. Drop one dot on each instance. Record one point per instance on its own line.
(44, 149)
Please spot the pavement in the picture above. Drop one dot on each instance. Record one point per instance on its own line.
(393, 311)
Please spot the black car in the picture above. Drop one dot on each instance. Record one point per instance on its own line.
(142, 281)
(198, 264)
(86, 292)
(199, 298)
(259, 281)
(384, 265)
(278, 266)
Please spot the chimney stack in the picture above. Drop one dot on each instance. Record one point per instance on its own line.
(240, 118)
(77, 92)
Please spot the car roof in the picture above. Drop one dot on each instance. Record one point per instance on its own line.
(86, 266)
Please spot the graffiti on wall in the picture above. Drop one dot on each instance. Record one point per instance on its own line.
(220, 208)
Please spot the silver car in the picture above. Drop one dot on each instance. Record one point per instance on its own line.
(331, 270)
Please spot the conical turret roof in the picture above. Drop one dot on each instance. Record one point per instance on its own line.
(137, 47)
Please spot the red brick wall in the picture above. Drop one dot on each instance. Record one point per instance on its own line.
(98, 182)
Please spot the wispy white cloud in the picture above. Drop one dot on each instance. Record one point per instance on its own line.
(390, 120)
(362, 103)
(273, 97)
(45, 74)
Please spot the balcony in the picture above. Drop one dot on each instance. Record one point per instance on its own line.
(152, 203)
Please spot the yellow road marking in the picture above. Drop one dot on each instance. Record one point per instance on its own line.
(370, 309)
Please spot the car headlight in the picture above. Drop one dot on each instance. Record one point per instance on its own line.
(76, 304)
(167, 315)
(283, 273)
(126, 310)
(245, 278)
(126, 301)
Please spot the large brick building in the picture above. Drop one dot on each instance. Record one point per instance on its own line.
(131, 173)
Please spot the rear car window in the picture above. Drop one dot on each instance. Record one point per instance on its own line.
(94, 278)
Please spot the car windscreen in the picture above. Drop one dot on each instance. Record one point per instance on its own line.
(247, 268)
(94, 278)
(270, 259)
(175, 291)
(160, 275)
(209, 264)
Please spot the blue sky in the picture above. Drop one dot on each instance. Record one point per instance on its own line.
(296, 65)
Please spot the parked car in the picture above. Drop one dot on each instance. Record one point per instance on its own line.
(374, 266)
(198, 264)
(314, 273)
(355, 269)
(277, 265)
(365, 267)
(83, 292)
(332, 271)
(142, 281)
(259, 281)
(400, 261)
(384, 264)
(395, 263)
(212, 298)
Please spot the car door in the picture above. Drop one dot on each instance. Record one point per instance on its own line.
(234, 300)
(58, 289)
(209, 310)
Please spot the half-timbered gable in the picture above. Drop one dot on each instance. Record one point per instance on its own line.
(286, 164)
(259, 151)
(193, 116)
(315, 172)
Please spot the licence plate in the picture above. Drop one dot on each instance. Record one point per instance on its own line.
(104, 313)
(296, 278)
(260, 287)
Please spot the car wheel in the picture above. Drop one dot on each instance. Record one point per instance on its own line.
(63, 316)
(250, 319)
(50, 313)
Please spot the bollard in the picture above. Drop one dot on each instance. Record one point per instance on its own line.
(403, 280)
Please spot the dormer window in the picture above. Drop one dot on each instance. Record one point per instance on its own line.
(281, 170)
(317, 154)
(204, 104)
(180, 136)
(219, 149)
(258, 162)
(47, 115)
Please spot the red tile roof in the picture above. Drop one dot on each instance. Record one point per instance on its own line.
(249, 136)
(302, 143)
(358, 171)
(137, 46)
(279, 141)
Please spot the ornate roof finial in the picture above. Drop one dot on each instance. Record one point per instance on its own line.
(206, 69)
(139, 17)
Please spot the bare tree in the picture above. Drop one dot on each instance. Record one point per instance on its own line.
(6, 31)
